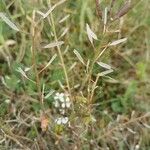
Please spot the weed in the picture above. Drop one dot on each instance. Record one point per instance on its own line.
(74, 74)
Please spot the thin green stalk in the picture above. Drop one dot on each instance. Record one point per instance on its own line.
(88, 77)
(60, 53)
(34, 62)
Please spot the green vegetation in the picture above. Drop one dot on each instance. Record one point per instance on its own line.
(73, 79)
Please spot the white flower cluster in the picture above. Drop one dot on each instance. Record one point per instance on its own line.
(61, 120)
(62, 103)
(62, 100)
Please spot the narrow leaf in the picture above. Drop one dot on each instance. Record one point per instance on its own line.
(105, 16)
(91, 34)
(41, 13)
(49, 94)
(79, 56)
(105, 72)
(106, 66)
(64, 32)
(54, 44)
(23, 74)
(8, 22)
(118, 42)
(51, 9)
(64, 18)
(51, 60)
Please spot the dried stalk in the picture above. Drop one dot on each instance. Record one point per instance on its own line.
(99, 12)
(34, 54)
(110, 131)
(111, 7)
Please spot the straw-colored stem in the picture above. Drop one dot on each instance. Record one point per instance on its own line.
(34, 63)
(60, 54)
(99, 12)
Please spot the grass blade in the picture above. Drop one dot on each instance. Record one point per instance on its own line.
(105, 72)
(79, 56)
(8, 22)
(54, 44)
(118, 42)
(106, 66)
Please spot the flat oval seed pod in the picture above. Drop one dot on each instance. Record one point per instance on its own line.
(125, 8)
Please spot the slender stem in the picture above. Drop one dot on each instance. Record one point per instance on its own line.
(93, 89)
(99, 12)
(111, 7)
(60, 54)
(88, 77)
(33, 51)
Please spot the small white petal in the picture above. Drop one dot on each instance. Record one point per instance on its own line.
(58, 121)
(57, 94)
(62, 111)
(61, 94)
(61, 99)
(67, 99)
(68, 104)
(56, 104)
(65, 120)
(63, 105)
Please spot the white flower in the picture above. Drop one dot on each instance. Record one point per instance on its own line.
(59, 96)
(58, 121)
(61, 120)
(56, 96)
(63, 105)
(62, 111)
(56, 104)
(65, 120)
(61, 99)
(68, 104)
(67, 99)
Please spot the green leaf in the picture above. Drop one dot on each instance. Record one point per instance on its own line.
(57, 75)
(3, 109)
(127, 99)
(36, 107)
(141, 70)
(117, 107)
(12, 82)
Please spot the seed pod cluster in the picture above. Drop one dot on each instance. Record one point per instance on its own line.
(121, 12)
